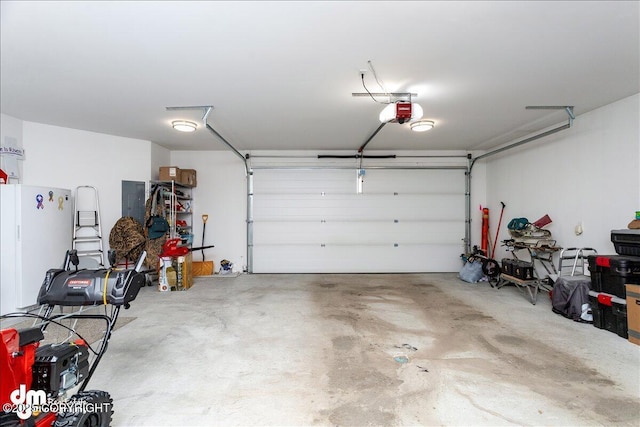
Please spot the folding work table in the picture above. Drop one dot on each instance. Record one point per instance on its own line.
(541, 250)
(529, 284)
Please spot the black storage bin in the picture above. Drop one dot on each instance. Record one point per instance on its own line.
(609, 312)
(627, 268)
(523, 270)
(596, 273)
(507, 266)
(626, 242)
(602, 315)
(619, 307)
(609, 273)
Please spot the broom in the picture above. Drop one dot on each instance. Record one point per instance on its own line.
(203, 268)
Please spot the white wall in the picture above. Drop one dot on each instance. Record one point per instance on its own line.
(68, 158)
(587, 174)
(221, 193)
(160, 156)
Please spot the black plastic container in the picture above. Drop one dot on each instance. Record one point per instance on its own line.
(626, 242)
(609, 273)
(523, 270)
(507, 266)
(609, 312)
(595, 273)
(619, 308)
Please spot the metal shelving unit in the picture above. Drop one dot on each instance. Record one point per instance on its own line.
(178, 200)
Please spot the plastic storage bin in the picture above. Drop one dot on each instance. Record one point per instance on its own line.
(519, 269)
(523, 270)
(610, 273)
(626, 242)
(507, 266)
(609, 313)
(619, 308)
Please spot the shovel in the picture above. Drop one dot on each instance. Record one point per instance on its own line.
(204, 268)
(205, 217)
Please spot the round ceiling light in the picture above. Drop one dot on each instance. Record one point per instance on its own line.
(184, 125)
(422, 125)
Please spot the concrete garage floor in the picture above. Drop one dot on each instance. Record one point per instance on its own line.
(326, 349)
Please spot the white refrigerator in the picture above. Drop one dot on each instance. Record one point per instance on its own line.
(36, 230)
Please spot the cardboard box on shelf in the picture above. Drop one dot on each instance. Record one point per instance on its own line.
(169, 173)
(188, 177)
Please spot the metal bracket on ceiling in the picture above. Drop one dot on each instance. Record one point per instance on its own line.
(393, 96)
(206, 114)
(567, 108)
(206, 108)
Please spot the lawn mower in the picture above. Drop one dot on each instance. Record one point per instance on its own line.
(38, 377)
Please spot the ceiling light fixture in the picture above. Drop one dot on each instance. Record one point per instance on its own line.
(184, 126)
(422, 125)
(401, 112)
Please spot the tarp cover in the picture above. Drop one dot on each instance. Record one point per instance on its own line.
(570, 294)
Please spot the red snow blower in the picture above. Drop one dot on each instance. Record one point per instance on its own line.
(37, 377)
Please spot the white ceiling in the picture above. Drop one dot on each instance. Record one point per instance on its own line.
(280, 75)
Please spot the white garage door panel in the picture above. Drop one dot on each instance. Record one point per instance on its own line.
(414, 181)
(357, 233)
(303, 181)
(313, 221)
(345, 207)
(358, 259)
(338, 181)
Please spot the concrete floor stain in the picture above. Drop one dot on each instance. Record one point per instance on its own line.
(359, 372)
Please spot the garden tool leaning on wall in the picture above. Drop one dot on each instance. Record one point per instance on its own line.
(203, 268)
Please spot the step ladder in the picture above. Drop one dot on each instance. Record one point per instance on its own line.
(87, 230)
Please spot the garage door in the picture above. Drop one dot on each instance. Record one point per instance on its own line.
(315, 221)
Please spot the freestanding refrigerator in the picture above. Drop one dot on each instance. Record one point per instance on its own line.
(36, 226)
